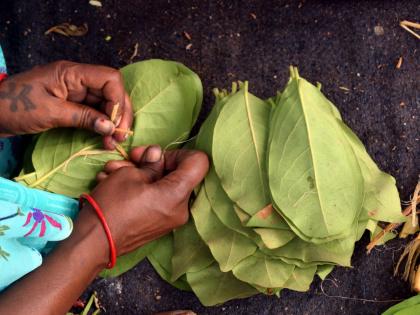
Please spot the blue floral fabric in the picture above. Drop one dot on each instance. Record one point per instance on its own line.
(31, 221)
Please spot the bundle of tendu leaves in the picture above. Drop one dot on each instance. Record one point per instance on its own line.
(290, 189)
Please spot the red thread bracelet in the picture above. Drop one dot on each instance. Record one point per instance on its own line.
(3, 76)
(97, 208)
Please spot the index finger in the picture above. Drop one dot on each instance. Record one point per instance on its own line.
(109, 83)
(186, 168)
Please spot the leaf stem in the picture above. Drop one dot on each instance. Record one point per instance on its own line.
(84, 151)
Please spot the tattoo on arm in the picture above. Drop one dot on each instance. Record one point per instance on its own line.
(18, 96)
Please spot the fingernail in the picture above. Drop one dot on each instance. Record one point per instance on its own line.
(153, 154)
(104, 127)
(113, 143)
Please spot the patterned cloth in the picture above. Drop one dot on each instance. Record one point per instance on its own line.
(3, 68)
(31, 221)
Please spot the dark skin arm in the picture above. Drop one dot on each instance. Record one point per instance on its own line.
(140, 204)
(65, 94)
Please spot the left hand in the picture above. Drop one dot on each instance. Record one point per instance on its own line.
(61, 94)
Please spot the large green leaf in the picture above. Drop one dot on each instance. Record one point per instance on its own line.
(213, 286)
(227, 246)
(204, 139)
(307, 146)
(191, 254)
(66, 161)
(382, 201)
(166, 98)
(239, 150)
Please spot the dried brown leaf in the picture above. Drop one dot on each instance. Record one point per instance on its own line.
(67, 29)
(187, 35)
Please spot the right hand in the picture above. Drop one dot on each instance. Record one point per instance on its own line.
(144, 199)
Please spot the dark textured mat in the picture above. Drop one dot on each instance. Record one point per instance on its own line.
(333, 42)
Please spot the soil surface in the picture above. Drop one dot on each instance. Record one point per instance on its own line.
(351, 47)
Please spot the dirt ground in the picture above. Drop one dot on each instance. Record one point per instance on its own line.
(351, 47)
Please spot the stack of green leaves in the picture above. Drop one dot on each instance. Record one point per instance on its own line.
(290, 190)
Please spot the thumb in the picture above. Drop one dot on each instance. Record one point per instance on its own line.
(187, 168)
(151, 164)
(82, 116)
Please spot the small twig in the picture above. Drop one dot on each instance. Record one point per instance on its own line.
(187, 35)
(399, 63)
(344, 88)
(135, 52)
(115, 112)
(414, 205)
(114, 117)
(121, 150)
(126, 131)
(411, 24)
(389, 228)
(354, 298)
(407, 24)
(178, 141)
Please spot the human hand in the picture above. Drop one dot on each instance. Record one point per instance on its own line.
(144, 199)
(61, 94)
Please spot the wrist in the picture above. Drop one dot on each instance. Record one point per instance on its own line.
(88, 240)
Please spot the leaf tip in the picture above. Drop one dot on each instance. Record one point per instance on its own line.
(234, 87)
(294, 73)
